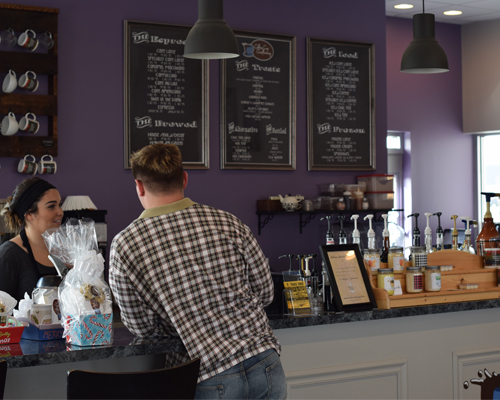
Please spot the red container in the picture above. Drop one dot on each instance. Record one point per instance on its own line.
(11, 335)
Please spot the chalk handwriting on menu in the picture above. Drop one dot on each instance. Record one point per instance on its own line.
(340, 78)
(166, 89)
(341, 117)
(259, 84)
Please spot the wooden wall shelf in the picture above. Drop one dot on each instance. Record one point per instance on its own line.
(467, 268)
(39, 19)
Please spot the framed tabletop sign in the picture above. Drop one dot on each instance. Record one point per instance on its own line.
(340, 105)
(258, 104)
(166, 95)
(349, 280)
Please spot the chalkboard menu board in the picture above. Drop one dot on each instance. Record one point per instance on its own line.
(258, 104)
(340, 105)
(165, 93)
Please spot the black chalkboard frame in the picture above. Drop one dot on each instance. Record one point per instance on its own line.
(366, 144)
(201, 137)
(290, 163)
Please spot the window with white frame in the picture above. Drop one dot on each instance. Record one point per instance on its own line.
(488, 174)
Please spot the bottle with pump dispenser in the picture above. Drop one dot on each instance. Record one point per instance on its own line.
(428, 235)
(356, 237)
(342, 234)
(467, 244)
(371, 232)
(454, 233)
(387, 243)
(439, 233)
(329, 233)
(416, 231)
(489, 230)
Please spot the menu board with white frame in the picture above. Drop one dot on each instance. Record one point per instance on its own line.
(340, 105)
(166, 95)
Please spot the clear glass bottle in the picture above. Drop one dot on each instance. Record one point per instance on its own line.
(385, 280)
(432, 278)
(414, 280)
(396, 259)
(372, 258)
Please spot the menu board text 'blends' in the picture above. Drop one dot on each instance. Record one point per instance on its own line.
(340, 106)
(258, 120)
(166, 93)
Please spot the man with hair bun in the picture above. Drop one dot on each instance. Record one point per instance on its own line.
(33, 207)
(187, 270)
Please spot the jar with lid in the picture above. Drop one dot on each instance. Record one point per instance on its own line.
(432, 278)
(372, 258)
(366, 203)
(340, 204)
(385, 280)
(358, 199)
(418, 256)
(348, 200)
(396, 259)
(414, 280)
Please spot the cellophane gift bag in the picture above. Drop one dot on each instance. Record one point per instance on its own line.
(84, 296)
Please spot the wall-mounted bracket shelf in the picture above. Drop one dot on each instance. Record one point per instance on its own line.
(307, 216)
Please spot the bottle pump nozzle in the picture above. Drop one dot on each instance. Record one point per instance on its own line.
(356, 237)
(428, 235)
(329, 234)
(371, 232)
(416, 231)
(454, 233)
(489, 195)
(385, 232)
(439, 232)
(342, 234)
(290, 256)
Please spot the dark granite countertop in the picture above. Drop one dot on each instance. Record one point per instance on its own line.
(30, 353)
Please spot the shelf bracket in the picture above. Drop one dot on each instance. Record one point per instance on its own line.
(266, 220)
(303, 223)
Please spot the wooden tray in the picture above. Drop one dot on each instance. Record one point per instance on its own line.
(467, 268)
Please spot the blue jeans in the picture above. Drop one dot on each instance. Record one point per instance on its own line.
(259, 377)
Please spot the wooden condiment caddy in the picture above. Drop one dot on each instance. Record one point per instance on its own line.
(467, 268)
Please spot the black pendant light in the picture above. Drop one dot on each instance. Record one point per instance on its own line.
(211, 37)
(424, 55)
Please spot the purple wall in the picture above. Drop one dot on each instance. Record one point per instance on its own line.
(430, 108)
(90, 121)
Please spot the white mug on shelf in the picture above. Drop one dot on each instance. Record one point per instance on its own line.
(27, 41)
(26, 166)
(9, 82)
(47, 166)
(28, 82)
(9, 124)
(29, 124)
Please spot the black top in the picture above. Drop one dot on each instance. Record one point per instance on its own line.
(17, 273)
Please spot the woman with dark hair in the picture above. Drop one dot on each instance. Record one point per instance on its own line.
(33, 207)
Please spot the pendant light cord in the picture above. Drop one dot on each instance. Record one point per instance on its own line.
(423, 6)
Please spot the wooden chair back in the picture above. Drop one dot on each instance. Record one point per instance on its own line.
(168, 383)
(3, 376)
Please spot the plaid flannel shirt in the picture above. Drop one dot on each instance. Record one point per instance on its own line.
(191, 271)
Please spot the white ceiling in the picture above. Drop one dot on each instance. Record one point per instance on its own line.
(472, 10)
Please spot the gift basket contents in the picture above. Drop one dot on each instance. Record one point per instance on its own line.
(10, 328)
(84, 297)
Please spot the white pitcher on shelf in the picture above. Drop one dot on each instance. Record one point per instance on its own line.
(291, 203)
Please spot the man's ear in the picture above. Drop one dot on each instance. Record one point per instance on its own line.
(184, 179)
(139, 187)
